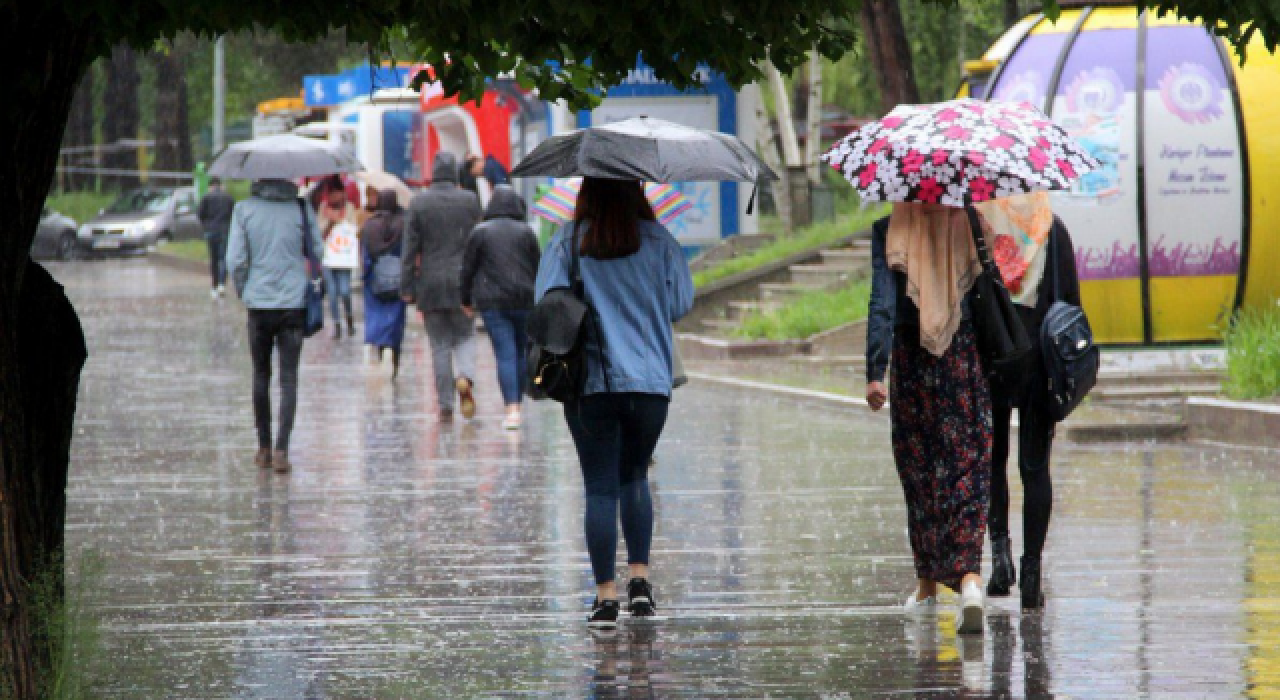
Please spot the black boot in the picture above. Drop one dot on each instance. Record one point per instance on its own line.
(1002, 574)
(1032, 597)
(337, 329)
(395, 363)
(351, 326)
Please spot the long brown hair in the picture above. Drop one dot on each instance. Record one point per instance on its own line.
(612, 210)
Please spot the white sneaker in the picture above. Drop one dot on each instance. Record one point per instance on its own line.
(222, 290)
(920, 606)
(511, 422)
(213, 294)
(972, 610)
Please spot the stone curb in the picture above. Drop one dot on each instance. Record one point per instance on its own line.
(1240, 422)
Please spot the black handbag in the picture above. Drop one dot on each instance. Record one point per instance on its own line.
(557, 331)
(1003, 341)
(1071, 358)
(315, 278)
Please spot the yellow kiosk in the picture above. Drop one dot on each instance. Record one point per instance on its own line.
(1181, 225)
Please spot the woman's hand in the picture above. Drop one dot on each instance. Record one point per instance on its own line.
(877, 395)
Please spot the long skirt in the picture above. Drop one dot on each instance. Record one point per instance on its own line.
(941, 412)
(383, 321)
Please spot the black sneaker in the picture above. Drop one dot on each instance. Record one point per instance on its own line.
(640, 595)
(604, 615)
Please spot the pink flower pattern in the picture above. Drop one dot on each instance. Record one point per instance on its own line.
(957, 153)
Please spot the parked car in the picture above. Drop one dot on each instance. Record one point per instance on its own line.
(55, 237)
(141, 218)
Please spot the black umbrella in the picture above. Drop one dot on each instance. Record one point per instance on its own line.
(646, 149)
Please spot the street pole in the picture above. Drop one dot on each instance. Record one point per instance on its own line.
(219, 94)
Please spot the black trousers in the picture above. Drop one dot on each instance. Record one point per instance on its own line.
(1035, 442)
(271, 329)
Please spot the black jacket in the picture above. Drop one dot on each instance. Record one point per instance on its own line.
(500, 263)
(215, 212)
(436, 229)
(891, 307)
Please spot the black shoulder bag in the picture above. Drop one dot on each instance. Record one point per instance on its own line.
(1002, 340)
(557, 361)
(1071, 358)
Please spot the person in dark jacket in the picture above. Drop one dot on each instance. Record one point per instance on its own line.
(494, 172)
(924, 265)
(436, 230)
(382, 236)
(215, 218)
(1040, 238)
(499, 268)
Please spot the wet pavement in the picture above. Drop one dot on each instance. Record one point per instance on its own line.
(404, 558)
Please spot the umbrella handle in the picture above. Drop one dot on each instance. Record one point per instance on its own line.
(751, 203)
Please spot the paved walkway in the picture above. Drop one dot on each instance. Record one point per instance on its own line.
(408, 559)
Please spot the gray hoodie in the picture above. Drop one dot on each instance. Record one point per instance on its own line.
(436, 229)
(265, 252)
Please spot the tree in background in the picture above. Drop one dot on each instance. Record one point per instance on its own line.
(120, 113)
(171, 130)
(1012, 12)
(81, 133)
(886, 40)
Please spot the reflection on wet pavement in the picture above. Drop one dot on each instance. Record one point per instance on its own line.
(403, 558)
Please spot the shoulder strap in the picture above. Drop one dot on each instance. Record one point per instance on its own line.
(1051, 265)
(980, 243)
(575, 272)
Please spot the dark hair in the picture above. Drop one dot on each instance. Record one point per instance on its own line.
(215, 181)
(612, 210)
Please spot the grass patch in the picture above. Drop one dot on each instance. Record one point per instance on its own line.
(810, 313)
(188, 250)
(814, 236)
(81, 206)
(1253, 353)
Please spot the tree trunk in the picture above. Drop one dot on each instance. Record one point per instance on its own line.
(172, 135)
(120, 114)
(886, 37)
(79, 135)
(767, 144)
(813, 139)
(1012, 13)
(32, 471)
(798, 213)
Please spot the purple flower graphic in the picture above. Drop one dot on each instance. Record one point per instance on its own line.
(1191, 92)
(1097, 90)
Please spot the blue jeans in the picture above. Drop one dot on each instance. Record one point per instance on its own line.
(507, 333)
(615, 435)
(338, 285)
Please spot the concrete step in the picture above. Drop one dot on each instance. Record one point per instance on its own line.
(720, 326)
(828, 274)
(740, 309)
(1155, 392)
(785, 292)
(847, 256)
(1128, 378)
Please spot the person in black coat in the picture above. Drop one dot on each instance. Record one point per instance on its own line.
(1035, 435)
(499, 267)
(214, 213)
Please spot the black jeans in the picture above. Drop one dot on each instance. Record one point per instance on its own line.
(1035, 442)
(217, 257)
(270, 329)
(615, 435)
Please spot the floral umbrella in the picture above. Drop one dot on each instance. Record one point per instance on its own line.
(959, 153)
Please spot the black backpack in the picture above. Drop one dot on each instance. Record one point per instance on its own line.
(1071, 357)
(557, 330)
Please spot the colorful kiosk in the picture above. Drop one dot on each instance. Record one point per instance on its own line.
(1181, 226)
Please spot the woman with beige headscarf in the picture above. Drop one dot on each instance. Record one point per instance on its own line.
(923, 266)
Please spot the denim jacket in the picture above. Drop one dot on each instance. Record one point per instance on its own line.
(636, 299)
(890, 306)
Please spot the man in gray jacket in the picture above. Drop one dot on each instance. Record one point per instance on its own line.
(436, 229)
(268, 265)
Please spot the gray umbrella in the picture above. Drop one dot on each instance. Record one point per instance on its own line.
(284, 157)
(646, 149)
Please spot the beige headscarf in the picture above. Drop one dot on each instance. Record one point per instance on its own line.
(1017, 230)
(932, 246)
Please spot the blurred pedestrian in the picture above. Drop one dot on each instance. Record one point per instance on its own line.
(499, 268)
(1040, 258)
(638, 283)
(923, 268)
(436, 228)
(215, 219)
(384, 310)
(494, 172)
(267, 257)
(337, 217)
(472, 170)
